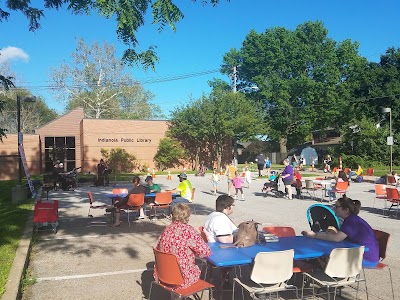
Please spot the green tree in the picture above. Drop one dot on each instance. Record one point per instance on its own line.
(300, 74)
(119, 160)
(96, 80)
(169, 154)
(210, 124)
(33, 115)
(129, 16)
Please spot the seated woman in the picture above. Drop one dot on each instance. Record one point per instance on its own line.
(353, 229)
(185, 242)
(356, 173)
(137, 189)
(332, 191)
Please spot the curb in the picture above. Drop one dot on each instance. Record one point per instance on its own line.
(21, 259)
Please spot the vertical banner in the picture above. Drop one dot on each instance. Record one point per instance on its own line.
(28, 177)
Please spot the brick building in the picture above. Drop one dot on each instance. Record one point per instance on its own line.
(77, 141)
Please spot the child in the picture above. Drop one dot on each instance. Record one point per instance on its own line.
(237, 183)
(297, 184)
(247, 176)
(215, 179)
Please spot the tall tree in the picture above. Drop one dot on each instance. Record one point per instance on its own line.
(211, 123)
(98, 81)
(33, 115)
(129, 16)
(301, 77)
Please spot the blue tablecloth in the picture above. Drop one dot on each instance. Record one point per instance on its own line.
(304, 248)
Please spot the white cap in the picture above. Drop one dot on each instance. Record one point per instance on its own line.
(61, 165)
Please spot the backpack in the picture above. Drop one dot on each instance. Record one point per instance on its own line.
(247, 235)
(359, 179)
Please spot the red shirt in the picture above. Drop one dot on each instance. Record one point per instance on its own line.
(185, 242)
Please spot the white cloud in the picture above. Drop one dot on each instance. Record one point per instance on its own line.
(13, 53)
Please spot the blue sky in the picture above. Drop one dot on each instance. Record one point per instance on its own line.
(202, 38)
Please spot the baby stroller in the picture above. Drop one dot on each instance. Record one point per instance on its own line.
(272, 187)
(69, 180)
(320, 217)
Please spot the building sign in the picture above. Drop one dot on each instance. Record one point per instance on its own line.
(123, 140)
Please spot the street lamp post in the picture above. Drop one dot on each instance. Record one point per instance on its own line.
(25, 99)
(390, 137)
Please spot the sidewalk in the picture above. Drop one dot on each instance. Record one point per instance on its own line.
(87, 260)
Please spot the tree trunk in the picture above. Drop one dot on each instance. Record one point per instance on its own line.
(282, 144)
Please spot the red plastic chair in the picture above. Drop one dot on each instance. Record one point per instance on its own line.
(91, 206)
(341, 187)
(383, 240)
(370, 172)
(162, 200)
(170, 277)
(346, 171)
(391, 180)
(299, 266)
(393, 197)
(203, 234)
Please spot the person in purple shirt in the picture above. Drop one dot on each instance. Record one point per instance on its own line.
(287, 177)
(353, 229)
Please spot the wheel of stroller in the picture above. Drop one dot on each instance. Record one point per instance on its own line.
(55, 230)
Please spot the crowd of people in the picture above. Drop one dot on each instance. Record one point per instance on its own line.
(186, 242)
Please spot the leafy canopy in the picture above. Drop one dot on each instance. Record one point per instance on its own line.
(129, 16)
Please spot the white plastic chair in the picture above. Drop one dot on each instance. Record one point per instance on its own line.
(343, 269)
(270, 274)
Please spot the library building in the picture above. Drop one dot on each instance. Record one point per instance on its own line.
(77, 141)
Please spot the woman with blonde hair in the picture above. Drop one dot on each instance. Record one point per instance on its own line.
(185, 242)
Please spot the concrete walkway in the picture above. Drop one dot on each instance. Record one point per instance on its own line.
(88, 260)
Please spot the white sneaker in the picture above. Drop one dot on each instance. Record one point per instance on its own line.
(235, 197)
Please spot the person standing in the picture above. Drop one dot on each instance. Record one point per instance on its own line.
(185, 242)
(218, 226)
(247, 176)
(237, 183)
(287, 177)
(260, 160)
(102, 174)
(230, 174)
(215, 180)
(268, 166)
(294, 161)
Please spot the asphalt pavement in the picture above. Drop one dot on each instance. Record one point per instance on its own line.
(87, 259)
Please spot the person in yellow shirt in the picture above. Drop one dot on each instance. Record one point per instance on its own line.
(230, 173)
(184, 189)
(356, 173)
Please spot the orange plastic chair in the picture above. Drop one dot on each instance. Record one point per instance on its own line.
(120, 191)
(170, 277)
(135, 203)
(91, 206)
(383, 240)
(341, 187)
(393, 197)
(347, 171)
(370, 172)
(299, 266)
(162, 200)
(380, 193)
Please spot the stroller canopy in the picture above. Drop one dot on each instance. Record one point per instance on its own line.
(320, 217)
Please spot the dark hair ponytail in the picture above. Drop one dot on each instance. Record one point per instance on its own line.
(353, 206)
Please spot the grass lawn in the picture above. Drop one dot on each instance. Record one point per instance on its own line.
(12, 222)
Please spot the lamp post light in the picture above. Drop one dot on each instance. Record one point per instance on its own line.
(20, 141)
(390, 137)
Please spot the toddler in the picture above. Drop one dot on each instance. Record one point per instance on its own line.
(215, 179)
(237, 183)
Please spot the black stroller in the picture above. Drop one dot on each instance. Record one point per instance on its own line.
(272, 187)
(320, 217)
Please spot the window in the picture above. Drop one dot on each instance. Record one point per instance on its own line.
(59, 148)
